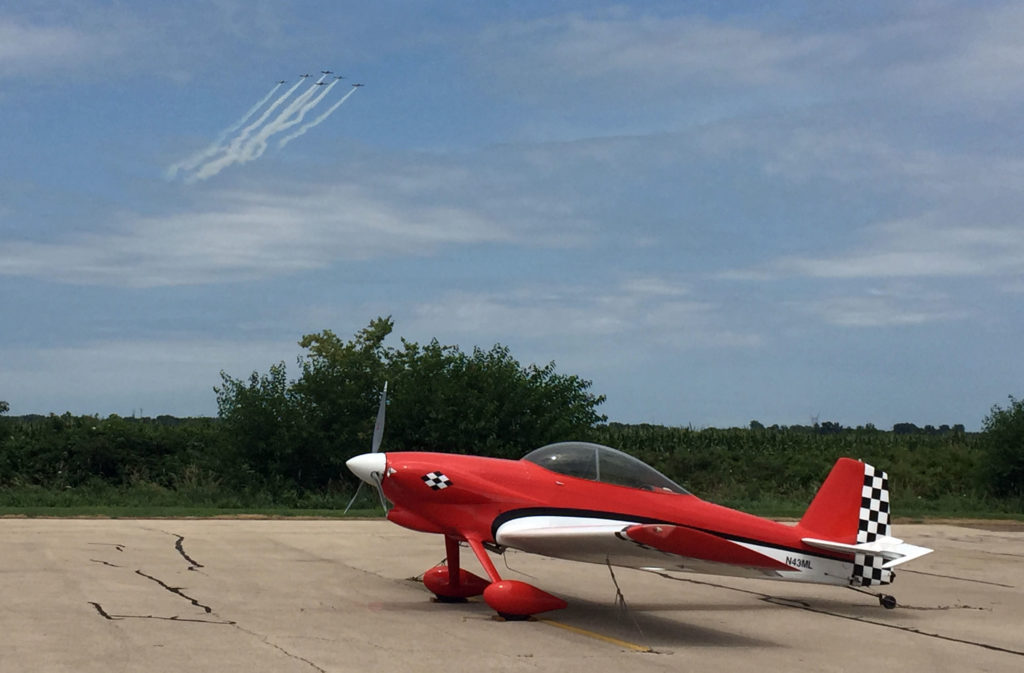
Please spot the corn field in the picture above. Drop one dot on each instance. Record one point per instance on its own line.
(786, 465)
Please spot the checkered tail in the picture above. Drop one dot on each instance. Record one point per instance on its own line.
(874, 522)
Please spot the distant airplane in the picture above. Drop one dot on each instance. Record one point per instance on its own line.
(280, 81)
(357, 85)
(321, 83)
(327, 72)
(304, 76)
(339, 77)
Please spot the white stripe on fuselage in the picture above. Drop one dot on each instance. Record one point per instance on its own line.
(806, 567)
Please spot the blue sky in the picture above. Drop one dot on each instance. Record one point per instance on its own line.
(716, 213)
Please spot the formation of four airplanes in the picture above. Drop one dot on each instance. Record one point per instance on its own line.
(321, 82)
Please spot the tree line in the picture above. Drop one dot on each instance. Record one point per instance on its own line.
(280, 441)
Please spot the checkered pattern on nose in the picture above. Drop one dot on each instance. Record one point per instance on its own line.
(874, 522)
(436, 480)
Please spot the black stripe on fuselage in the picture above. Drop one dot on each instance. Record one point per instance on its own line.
(525, 512)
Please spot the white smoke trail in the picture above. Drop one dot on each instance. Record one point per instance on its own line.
(266, 113)
(258, 145)
(240, 149)
(305, 127)
(227, 158)
(196, 159)
(252, 141)
(237, 125)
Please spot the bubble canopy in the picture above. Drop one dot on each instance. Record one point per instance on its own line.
(601, 463)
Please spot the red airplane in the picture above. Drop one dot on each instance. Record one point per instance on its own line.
(591, 503)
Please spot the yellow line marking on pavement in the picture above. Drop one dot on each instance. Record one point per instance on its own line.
(597, 636)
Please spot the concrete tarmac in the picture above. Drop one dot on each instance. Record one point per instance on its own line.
(307, 596)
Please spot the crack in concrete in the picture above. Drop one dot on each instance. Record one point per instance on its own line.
(180, 546)
(106, 563)
(113, 618)
(266, 641)
(99, 609)
(961, 579)
(803, 605)
(118, 547)
(177, 591)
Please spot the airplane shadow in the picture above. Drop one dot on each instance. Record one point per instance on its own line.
(663, 625)
(638, 625)
(635, 625)
(644, 622)
(642, 625)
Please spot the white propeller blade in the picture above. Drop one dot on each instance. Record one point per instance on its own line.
(378, 436)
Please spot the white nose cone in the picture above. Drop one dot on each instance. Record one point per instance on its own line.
(367, 465)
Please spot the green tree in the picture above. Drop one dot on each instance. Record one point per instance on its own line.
(6, 461)
(484, 402)
(296, 435)
(262, 421)
(1003, 440)
(337, 396)
(300, 433)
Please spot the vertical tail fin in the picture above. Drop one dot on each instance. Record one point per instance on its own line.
(834, 514)
(852, 507)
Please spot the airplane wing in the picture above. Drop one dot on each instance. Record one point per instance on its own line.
(635, 545)
(577, 538)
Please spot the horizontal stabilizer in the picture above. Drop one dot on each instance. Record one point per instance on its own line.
(894, 550)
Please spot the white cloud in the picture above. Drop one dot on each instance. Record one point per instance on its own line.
(639, 311)
(922, 247)
(26, 48)
(646, 70)
(123, 375)
(95, 40)
(655, 286)
(1013, 286)
(864, 154)
(963, 55)
(884, 309)
(621, 47)
(250, 235)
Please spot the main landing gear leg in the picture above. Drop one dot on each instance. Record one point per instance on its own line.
(449, 582)
(512, 599)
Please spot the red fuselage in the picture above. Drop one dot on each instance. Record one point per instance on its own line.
(477, 494)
